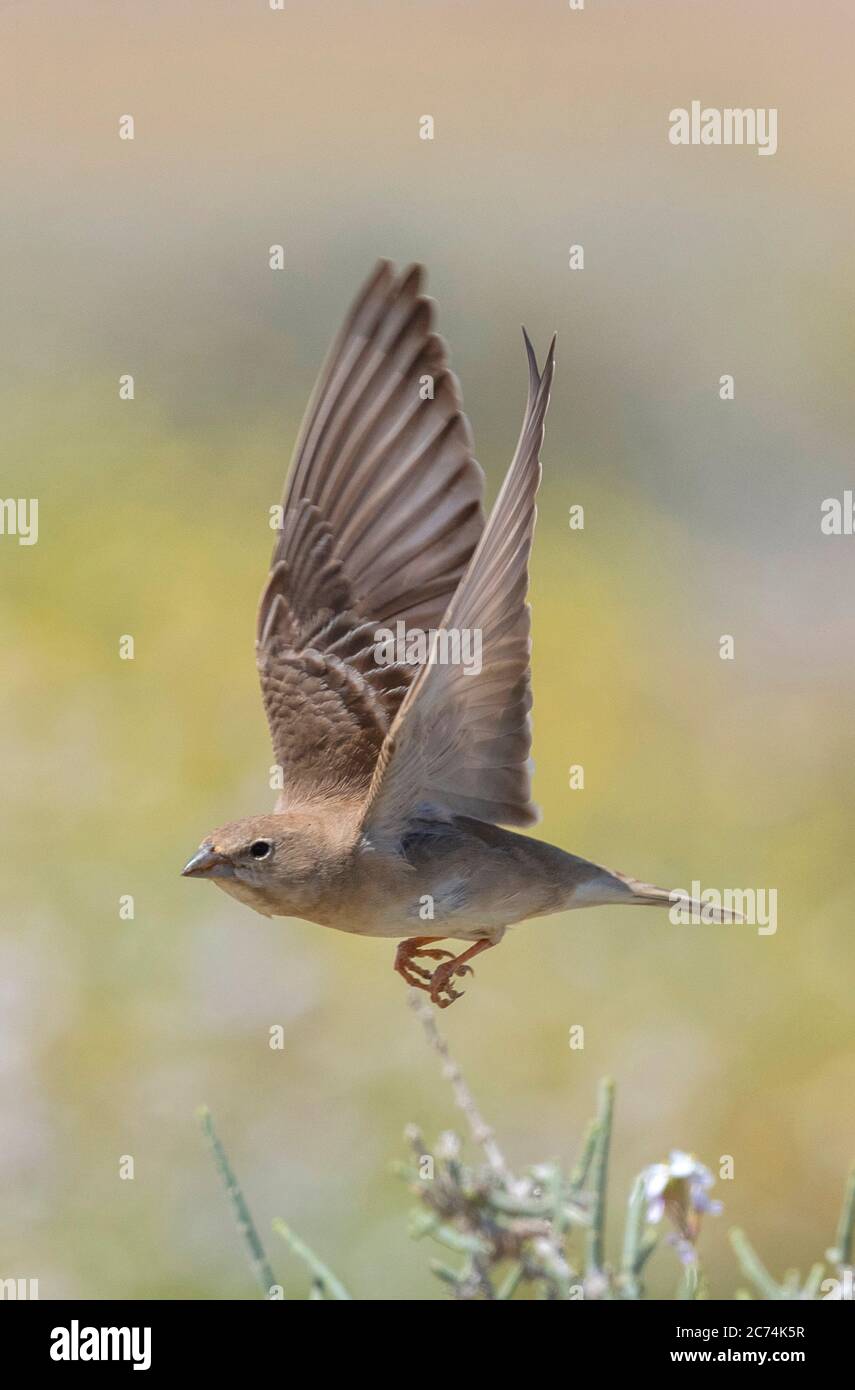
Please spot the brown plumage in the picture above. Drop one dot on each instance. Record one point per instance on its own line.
(398, 775)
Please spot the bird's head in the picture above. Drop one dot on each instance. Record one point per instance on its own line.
(265, 861)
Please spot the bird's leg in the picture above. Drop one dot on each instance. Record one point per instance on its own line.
(406, 966)
(441, 992)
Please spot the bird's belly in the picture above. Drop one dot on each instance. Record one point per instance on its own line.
(445, 908)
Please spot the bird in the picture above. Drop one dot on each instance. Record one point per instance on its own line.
(402, 774)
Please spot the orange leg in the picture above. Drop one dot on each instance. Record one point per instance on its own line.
(437, 983)
(406, 966)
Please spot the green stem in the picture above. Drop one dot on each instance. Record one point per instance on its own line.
(322, 1277)
(753, 1267)
(257, 1257)
(600, 1177)
(431, 1224)
(813, 1281)
(447, 1274)
(571, 1213)
(691, 1283)
(842, 1252)
(583, 1164)
(511, 1281)
(633, 1253)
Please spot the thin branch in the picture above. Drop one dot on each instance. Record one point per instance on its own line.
(842, 1252)
(511, 1282)
(633, 1249)
(257, 1257)
(481, 1132)
(813, 1281)
(753, 1267)
(323, 1280)
(600, 1166)
(579, 1175)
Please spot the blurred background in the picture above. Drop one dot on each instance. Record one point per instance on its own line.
(702, 518)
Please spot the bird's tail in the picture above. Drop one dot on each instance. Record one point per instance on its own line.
(606, 886)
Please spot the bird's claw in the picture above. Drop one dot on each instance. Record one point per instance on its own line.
(412, 973)
(442, 992)
(436, 982)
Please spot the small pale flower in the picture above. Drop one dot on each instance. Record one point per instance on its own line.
(679, 1189)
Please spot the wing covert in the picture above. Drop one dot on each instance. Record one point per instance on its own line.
(381, 513)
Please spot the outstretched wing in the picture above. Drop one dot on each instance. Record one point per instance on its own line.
(461, 740)
(381, 514)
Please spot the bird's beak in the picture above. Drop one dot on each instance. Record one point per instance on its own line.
(208, 862)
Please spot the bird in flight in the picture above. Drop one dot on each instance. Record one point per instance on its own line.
(399, 774)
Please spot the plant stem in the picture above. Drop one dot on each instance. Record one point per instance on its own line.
(511, 1281)
(579, 1175)
(842, 1252)
(322, 1277)
(753, 1267)
(481, 1132)
(813, 1281)
(600, 1166)
(257, 1257)
(633, 1232)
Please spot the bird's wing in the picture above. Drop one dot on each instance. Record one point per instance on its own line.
(460, 742)
(381, 513)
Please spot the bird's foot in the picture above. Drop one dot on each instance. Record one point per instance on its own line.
(406, 966)
(442, 992)
(436, 983)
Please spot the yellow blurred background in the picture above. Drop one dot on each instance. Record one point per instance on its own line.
(150, 257)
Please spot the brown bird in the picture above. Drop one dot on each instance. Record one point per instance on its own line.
(399, 771)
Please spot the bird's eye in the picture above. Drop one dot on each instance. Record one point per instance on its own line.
(259, 849)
